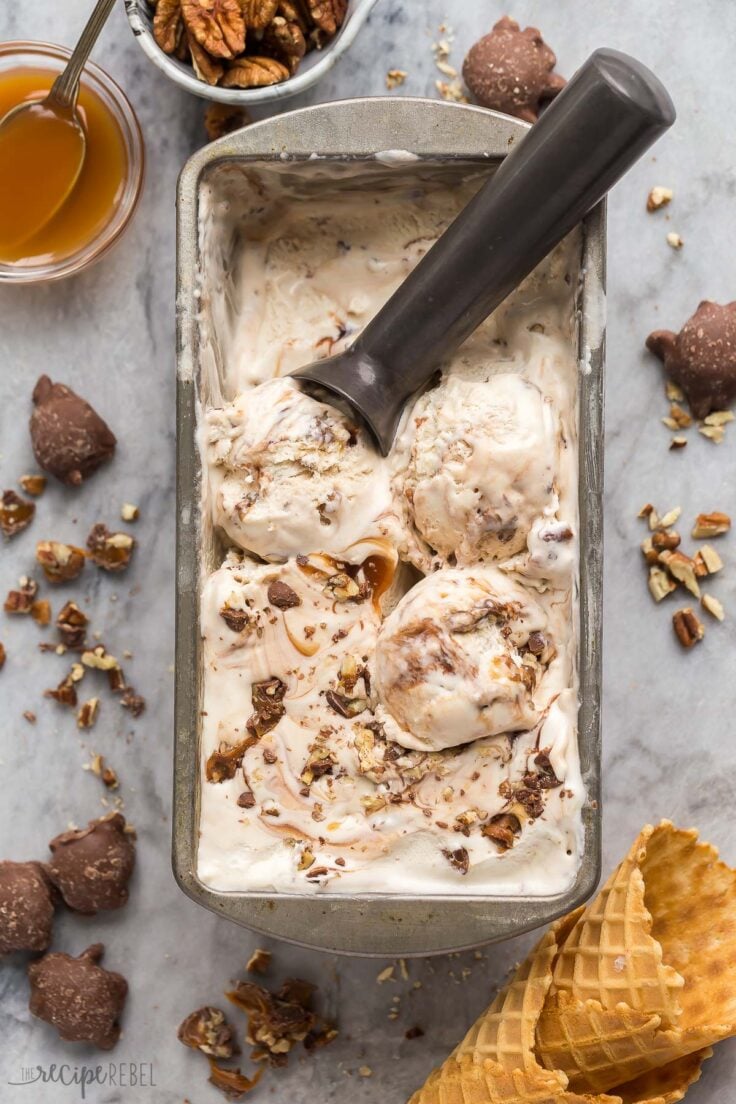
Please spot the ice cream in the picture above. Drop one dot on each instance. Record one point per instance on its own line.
(389, 694)
(482, 466)
(290, 474)
(460, 658)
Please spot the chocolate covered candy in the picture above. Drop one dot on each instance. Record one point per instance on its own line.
(81, 999)
(510, 70)
(91, 866)
(701, 358)
(26, 907)
(70, 440)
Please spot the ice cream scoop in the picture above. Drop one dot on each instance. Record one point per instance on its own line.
(610, 113)
(459, 659)
(482, 466)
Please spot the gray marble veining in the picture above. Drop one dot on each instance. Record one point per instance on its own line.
(109, 333)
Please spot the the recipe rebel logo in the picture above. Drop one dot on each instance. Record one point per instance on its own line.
(120, 1075)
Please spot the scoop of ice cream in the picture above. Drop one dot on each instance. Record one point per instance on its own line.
(290, 474)
(459, 658)
(482, 466)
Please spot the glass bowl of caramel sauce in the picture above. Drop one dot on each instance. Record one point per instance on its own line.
(104, 197)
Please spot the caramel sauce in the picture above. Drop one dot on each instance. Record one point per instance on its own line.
(37, 156)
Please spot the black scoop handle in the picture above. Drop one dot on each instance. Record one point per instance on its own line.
(612, 110)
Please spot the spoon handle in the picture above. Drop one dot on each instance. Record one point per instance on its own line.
(608, 115)
(66, 86)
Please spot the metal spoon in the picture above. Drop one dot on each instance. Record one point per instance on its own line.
(601, 123)
(58, 109)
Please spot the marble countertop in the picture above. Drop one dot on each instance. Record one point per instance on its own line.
(109, 333)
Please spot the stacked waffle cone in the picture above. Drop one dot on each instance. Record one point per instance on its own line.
(621, 1000)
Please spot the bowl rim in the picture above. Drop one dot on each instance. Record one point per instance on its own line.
(182, 75)
(111, 93)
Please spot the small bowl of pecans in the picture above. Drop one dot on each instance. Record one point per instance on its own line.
(246, 51)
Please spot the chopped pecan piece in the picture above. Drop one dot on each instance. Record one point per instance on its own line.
(65, 693)
(282, 596)
(3, 655)
(665, 540)
(268, 706)
(276, 1021)
(682, 568)
(254, 72)
(342, 587)
(33, 485)
(660, 583)
(133, 702)
(459, 859)
(60, 562)
(16, 513)
(710, 559)
(713, 606)
(714, 524)
(110, 551)
(129, 512)
(321, 761)
(41, 612)
(217, 25)
(99, 659)
(22, 599)
(232, 1082)
(503, 830)
(688, 629)
(87, 714)
(658, 197)
(207, 1030)
(259, 961)
(72, 623)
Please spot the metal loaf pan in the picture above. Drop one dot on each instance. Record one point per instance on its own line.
(456, 139)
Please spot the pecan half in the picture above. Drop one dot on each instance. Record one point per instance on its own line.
(258, 13)
(285, 42)
(168, 25)
(329, 15)
(254, 72)
(217, 25)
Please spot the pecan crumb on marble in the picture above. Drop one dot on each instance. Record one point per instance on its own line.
(60, 562)
(33, 485)
(208, 1031)
(659, 197)
(87, 714)
(22, 599)
(688, 629)
(259, 961)
(16, 513)
(110, 551)
(71, 623)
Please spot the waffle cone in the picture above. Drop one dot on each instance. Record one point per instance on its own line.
(689, 905)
